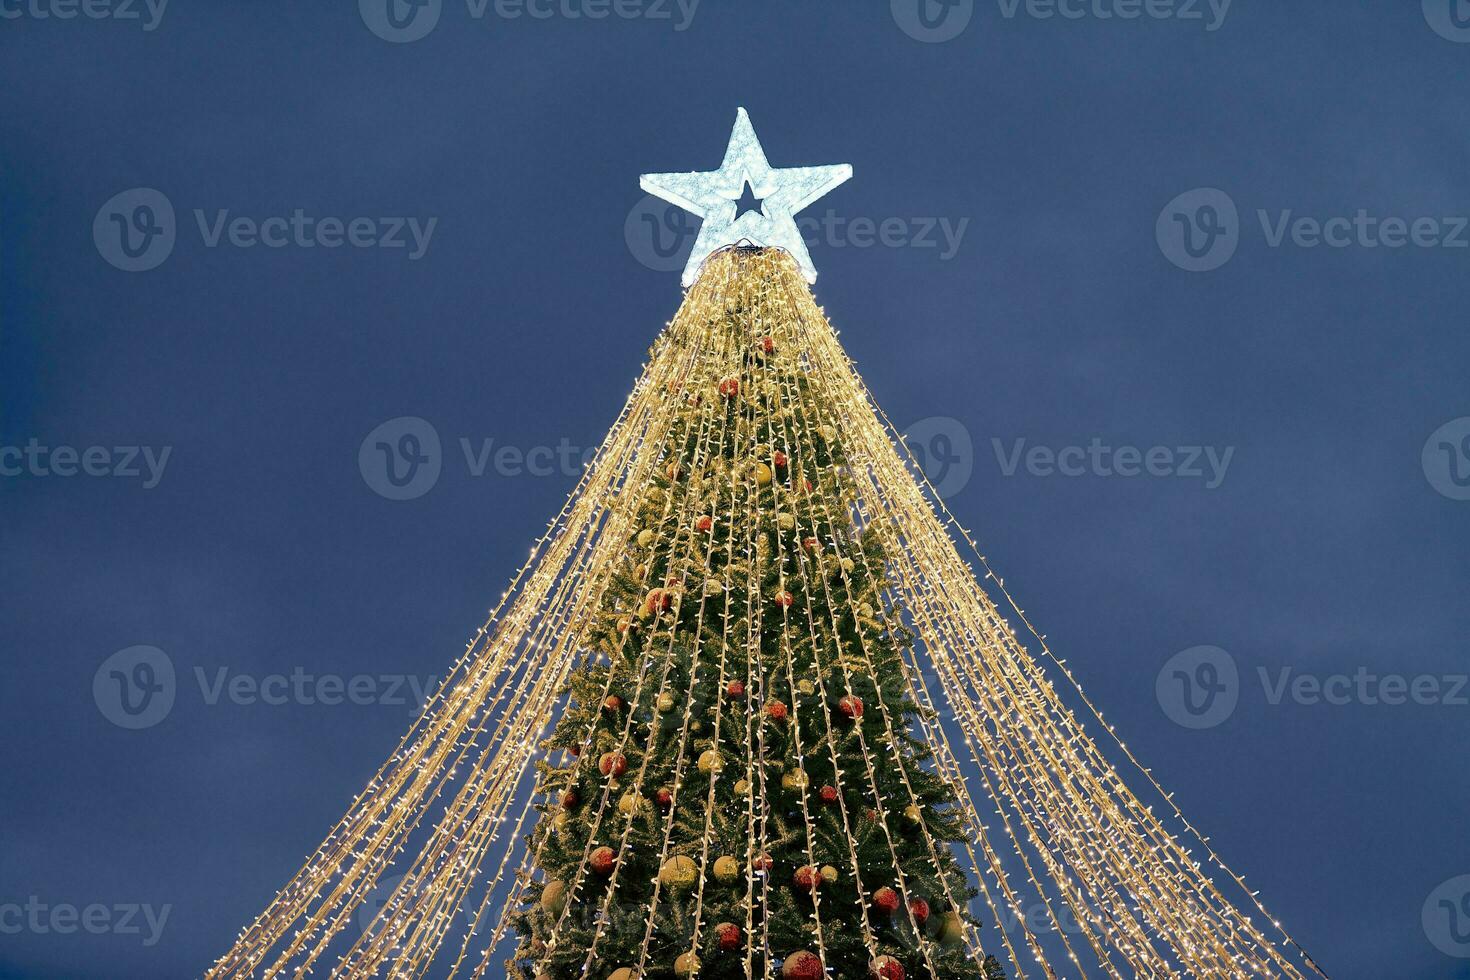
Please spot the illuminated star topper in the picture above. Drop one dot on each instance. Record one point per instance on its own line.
(747, 199)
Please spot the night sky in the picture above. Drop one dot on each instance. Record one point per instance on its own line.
(1056, 290)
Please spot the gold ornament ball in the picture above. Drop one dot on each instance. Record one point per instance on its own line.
(554, 897)
(785, 522)
(806, 687)
(762, 474)
(559, 822)
(666, 702)
(829, 873)
(686, 965)
(630, 803)
(952, 930)
(713, 586)
(646, 538)
(727, 869)
(796, 779)
(625, 973)
(710, 761)
(678, 874)
(913, 814)
(742, 787)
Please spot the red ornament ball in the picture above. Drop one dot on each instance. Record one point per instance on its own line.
(829, 794)
(763, 862)
(807, 879)
(810, 544)
(784, 599)
(658, 601)
(613, 704)
(768, 344)
(728, 936)
(776, 710)
(665, 796)
(885, 900)
(613, 764)
(602, 860)
(919, 908)
(736, 689)
(570, 799)
(575, 750)
(886, 968)
(851, 706)
(704, 524)
(730, 387)
(801, 966)
(779, 459)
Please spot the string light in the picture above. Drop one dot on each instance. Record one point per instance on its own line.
(1120, 892)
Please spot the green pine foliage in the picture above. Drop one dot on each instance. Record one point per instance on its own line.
(687, 613)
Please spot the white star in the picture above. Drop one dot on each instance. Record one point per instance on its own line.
(713, 195)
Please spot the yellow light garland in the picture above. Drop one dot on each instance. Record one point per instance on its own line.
(458, 790)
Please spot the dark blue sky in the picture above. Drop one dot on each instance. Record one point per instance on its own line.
(1335, 544)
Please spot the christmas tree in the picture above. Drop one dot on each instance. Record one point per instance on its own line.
(737, 767)
(711, 728)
